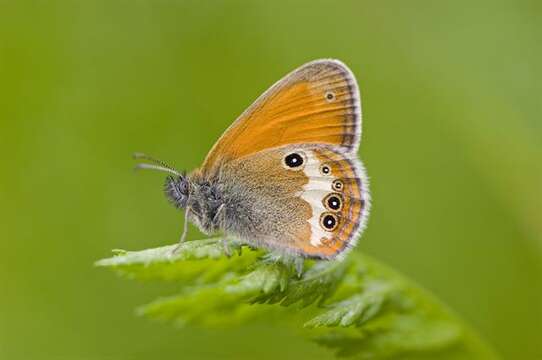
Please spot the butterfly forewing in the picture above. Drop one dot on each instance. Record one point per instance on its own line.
(316, 104)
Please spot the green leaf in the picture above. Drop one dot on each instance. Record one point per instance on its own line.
(193, 261)
(319, 282)
(357, 308)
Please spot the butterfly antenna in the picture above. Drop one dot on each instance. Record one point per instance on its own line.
(156, 164)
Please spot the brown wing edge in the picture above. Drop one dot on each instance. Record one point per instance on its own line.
(360, 224)
(353, 88)
(363, 183)
(362, 180)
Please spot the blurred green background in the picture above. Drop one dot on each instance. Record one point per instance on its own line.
(452, 139)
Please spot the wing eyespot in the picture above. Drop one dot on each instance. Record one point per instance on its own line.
(294, 161)
(329, 221)
(325, 170)
(330, 96)
(333, 202)
(337, 185)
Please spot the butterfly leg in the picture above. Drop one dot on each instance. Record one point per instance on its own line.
(219, 220)
(183, 234)
(220, 216)
(299, 263)
(227, 248)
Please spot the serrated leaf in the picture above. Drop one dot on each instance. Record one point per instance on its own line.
(266, 279)
(224, 302)
(318, 283)
(357, 307)
(355, 310)
(201, 260)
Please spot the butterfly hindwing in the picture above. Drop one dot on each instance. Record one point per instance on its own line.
(314, 207)
(317, 103)
(337, 192)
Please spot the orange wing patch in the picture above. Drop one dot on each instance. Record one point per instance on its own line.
(315, 104)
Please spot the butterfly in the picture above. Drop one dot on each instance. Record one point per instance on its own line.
(285, 176)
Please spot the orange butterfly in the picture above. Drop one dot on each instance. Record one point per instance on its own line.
(285, 175)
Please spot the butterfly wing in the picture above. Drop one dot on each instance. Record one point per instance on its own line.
(339, 200)
(317, 103)
(315, 206)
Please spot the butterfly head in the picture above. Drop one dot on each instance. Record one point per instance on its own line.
(177, 190)
(177, 185)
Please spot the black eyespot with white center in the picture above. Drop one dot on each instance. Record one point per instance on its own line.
(294, 160)
(333, 202)
(330, 96)
(337, 185)
(329, 221)
(325, 170)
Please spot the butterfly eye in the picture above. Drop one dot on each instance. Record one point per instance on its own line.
(293, 160)
(330, 96)
(329, 221)
(325, 170)
(333, 202)
(337, 185)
